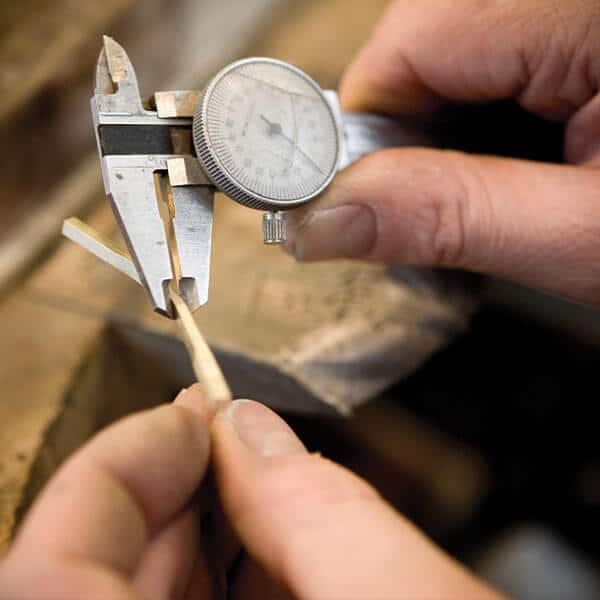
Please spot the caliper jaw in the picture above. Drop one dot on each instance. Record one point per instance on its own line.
(162, 201)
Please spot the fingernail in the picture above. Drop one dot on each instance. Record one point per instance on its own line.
(262, 431)
(347, 231)
(181, 394)
(195, 399)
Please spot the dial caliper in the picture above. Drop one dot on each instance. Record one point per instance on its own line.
(262, 132)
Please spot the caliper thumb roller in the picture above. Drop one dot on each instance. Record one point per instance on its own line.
(262, 132)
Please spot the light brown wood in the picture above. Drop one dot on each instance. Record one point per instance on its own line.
(39, 229)
(205, 365)
(44, 347)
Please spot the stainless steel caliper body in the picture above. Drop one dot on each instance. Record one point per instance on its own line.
(262, 131)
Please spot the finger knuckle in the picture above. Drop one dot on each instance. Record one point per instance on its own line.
(439, 201)
(561, 75)
(446, 207)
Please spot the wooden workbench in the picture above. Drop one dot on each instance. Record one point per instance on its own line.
(80, 347)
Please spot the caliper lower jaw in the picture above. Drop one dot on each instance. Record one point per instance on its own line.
(167, 228)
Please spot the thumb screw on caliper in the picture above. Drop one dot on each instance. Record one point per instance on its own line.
(274, 227)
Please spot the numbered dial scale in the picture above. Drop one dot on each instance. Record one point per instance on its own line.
(266, 135)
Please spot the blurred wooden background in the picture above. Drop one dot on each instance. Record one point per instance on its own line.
(80, 347)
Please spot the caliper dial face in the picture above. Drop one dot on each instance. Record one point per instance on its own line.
(266, 135)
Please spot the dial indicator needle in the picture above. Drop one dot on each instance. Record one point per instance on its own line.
(275, 129)
(249, 118)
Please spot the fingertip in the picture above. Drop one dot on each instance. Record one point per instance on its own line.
(260, 430)
(382, 78)
(195, 399)
(194, 393)
(363, 90)
(360, 89)
(582, 136)
(360, 86)
(351, 93)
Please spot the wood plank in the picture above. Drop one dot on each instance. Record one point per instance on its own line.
(43, 348)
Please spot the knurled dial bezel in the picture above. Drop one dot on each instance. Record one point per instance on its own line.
(213, 166)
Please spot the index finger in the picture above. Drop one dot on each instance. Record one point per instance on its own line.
(121, 488)
(423, 53)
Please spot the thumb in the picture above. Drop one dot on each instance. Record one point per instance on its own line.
(315, 527)
(535, 223)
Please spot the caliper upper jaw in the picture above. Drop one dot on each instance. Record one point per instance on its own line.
(117, 91)
(136, 150)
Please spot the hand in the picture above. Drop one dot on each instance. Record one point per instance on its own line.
(118, 522)
(535, 223)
